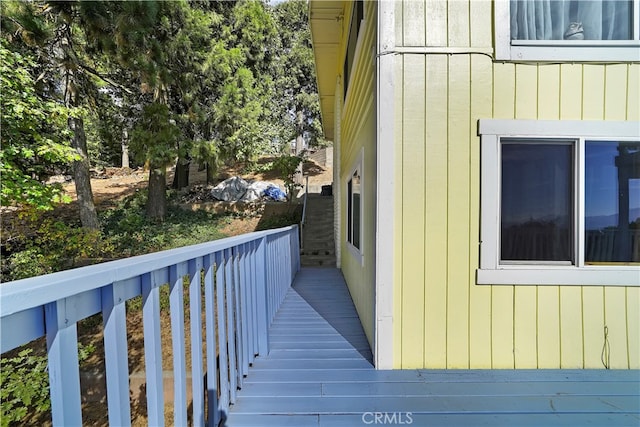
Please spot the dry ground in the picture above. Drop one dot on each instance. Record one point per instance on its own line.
(107, 190)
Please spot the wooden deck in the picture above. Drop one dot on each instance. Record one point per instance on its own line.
(319, 373)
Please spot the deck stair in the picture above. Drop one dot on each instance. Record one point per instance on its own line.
(318, 247)
(318, 373)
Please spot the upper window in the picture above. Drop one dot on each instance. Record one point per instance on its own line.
(357, 15)
(568, 30)
(560, 202)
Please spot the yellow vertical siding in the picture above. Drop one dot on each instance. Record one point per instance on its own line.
(413, 182)
(480, 317)
(358, 136)
(436, 22)
(435, 202)
(633, 327)
(465, 325)
(633, 87)
(548, 324)
(458, 101)
(413, 18)
(571, 328)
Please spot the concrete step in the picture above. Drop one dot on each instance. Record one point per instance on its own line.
(328, 243)
(319, 233)
(305, 262)
(318, 243)
(316, 239)
(318, 252)
(314, 226)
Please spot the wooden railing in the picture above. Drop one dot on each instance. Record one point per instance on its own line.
(243, 279)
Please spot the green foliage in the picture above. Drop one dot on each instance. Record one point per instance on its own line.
(295, 77)
(287, 167)
(33, 134)
(28, 263)
(215, 67)
(56, 246)
(237, 117)
(283, 220)
(131, 233)
(24, 384)
(155, 137)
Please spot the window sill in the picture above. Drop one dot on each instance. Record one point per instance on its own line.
(585, 51)
(561, 275)
(355, 252)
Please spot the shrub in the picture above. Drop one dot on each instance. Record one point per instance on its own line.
(24, 384)
(287, 167)
(28, 263)
(56, 246)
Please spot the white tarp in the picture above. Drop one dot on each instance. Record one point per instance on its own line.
(230, 190)
(236, 189)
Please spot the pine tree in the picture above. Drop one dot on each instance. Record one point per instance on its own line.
(51, 29)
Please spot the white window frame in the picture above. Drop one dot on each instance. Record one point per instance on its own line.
(358, 253)
(491, 271)
(561, 50)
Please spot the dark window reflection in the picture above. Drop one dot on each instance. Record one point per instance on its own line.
(356, 209)
(349, 210)
(612, 202)
(536, 201)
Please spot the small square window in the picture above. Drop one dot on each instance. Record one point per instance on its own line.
(355, 208)
(354, 220)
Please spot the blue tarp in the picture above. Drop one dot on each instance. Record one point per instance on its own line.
(275, 193)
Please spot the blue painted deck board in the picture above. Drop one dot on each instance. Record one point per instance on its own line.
(437, 420)
(438, 404)
(318, 373)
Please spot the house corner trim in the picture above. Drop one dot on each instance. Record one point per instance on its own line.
(384, 259)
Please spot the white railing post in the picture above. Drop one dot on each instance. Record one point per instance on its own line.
(152, 346)
(237, 315)
(252, 302)
(210, 321)
(197, 371)
(114, 317)
(64, 373)
(261, 286)
(231, 334)
(243, 311)
(222, 333)
(176, 304)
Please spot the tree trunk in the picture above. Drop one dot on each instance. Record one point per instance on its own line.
(125, 150)
(81, 175)
(211, 173)
(157, 201)
(181, 175)
(297, 178)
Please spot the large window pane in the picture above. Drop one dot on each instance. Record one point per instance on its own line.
(612, 202)
(571, 19)
(536, 201)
